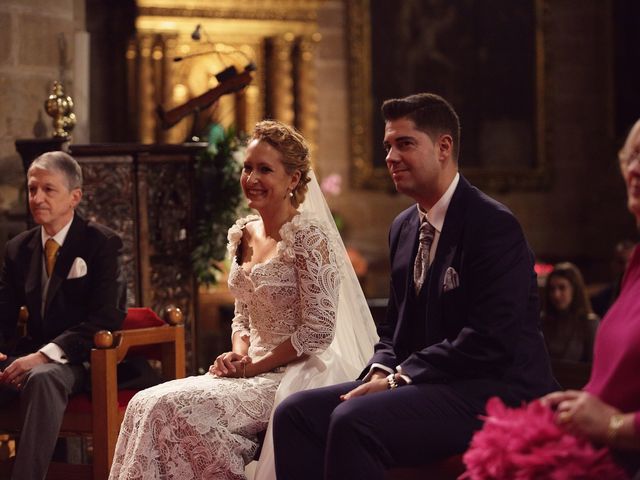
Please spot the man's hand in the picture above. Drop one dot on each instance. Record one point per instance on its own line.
(230, 364)
(14, 373)
(581, 413)
(377, 383)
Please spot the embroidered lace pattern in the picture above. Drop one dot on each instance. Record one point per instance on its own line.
(206, 427)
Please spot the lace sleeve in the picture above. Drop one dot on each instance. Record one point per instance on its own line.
(319, 283)
(240, 322)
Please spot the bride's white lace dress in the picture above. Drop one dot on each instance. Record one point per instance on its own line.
(205, 427)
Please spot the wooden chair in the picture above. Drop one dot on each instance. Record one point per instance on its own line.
(100, 414)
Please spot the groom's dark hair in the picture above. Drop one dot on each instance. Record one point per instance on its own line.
(431, 114)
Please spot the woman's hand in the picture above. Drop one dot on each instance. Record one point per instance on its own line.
(581, 413)
(230, 364)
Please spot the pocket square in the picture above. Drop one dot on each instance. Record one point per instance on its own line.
(451, 279)
(78, 269)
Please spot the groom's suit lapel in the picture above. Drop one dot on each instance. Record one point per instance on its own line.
(402, 270)
(407, 248)
(448, 246)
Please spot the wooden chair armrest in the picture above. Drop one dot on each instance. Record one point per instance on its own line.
(170, 337)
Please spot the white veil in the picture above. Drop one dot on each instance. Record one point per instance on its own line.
(355, 333)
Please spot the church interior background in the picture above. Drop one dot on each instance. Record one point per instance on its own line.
(324, 66)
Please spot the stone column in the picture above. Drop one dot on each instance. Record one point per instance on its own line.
(306, 105)
(280, 93)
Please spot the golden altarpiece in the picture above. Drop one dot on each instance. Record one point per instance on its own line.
(205, 37)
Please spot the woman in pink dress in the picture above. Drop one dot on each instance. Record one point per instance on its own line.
(592, 433)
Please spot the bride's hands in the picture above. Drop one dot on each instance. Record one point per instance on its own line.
(230, 364)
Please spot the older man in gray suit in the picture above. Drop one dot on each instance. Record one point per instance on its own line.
(67, 272)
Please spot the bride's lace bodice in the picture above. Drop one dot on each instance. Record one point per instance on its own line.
(294, 294)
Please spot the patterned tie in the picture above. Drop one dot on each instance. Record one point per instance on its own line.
(421, 264)
(51, 248)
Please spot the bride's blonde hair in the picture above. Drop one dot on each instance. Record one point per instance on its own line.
(294, 149)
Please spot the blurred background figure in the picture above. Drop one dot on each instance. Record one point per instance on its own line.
(604, 298)
(568, 321)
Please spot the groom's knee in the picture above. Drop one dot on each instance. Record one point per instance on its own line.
(350, 419)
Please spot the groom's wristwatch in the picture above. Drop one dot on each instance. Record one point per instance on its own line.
(395, 381)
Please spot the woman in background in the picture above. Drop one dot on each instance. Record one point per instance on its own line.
(568, 322)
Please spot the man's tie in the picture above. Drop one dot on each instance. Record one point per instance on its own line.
(51, 248)
(421, 264)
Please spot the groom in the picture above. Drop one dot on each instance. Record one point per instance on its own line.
(462, 323)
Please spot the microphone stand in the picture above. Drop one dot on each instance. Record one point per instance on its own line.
(230, 81)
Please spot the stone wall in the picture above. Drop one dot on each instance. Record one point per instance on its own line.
(33, 34)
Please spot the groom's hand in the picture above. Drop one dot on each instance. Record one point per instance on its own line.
(377, 383)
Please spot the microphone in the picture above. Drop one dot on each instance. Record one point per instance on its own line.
(197, 33)
(180, 58)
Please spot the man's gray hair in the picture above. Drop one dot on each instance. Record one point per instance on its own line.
(60, 162)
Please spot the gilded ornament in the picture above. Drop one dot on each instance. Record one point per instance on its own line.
(60, 107)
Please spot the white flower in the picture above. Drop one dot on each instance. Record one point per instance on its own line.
(234, 234)
(239, 153)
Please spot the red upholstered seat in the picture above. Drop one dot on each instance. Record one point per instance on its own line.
(82, 403)
(141, 317)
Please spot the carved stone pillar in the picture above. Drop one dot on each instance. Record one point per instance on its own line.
(306, 106)
(145, 88)
(280, 93)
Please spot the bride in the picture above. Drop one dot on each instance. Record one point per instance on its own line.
(301, 321)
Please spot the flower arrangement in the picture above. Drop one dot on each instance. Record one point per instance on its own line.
(219, 201)
(526, 444)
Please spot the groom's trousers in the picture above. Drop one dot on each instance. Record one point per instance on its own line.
(318, 436)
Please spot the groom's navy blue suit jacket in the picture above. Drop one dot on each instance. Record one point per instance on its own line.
(485, 328)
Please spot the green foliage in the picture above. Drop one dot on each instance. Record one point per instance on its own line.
(219, 202)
